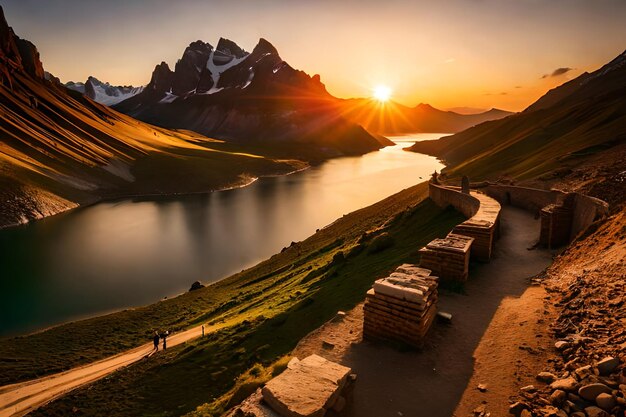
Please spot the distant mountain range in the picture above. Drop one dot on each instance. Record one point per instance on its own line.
(59, 149)
(581, 119)
(103, 92)
(394, 118)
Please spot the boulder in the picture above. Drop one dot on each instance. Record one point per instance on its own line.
(607, 365)
(590, 391)
(308, 388)
(547, 377)
(253, 407)
(558, 397)
(606, 401)
(565, 384)
(517, 408)
(583, 371)
(561, 345)
(196, 286)
(596, 412)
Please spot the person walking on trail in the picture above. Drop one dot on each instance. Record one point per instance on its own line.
(164, 337)
(155, 339)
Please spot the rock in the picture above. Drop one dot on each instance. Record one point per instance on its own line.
(517, 408)
(565, 384)
(595, 412)
(528, 388)
(253, 407)
(549, 411)
(606, 401)
(590, 391)
(444, 317)
(196, 286)
(561, 345)
(607, 365)
(558, 397)
(583, 371)
(526, 413)
(546, 377)
(480, 410)
(482, 387)
(307, 388)
(339, 316)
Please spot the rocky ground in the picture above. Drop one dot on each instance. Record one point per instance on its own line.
(585, 374)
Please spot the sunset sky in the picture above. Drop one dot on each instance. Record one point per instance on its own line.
(475, 53)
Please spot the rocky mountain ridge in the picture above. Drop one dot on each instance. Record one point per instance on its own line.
(103, 92)
(255, 98)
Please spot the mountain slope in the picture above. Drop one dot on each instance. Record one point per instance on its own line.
(394, 118)
(60, 149)
(104, 93)
(253, 98)
(566, 126)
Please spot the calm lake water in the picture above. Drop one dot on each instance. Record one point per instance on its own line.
(126, 253)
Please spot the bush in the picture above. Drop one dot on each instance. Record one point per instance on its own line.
(380, 243)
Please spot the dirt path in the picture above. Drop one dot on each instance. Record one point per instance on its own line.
(22, 398)
(430, 383)
(511, 353)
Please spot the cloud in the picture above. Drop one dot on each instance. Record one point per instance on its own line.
(518, 86)
(558, 72)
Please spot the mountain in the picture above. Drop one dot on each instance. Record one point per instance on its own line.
(394, 118)
(102, 92)
(255, 98)
(582, 119)
(258, 99)
(59, 149)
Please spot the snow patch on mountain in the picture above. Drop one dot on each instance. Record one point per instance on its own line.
(103, 92)
(217, 70)
(169, 97)
(110, 97)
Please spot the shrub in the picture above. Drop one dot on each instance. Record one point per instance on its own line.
(380, 243)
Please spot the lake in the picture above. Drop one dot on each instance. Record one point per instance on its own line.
(133, 252)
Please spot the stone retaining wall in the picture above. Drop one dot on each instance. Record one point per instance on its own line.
(586, 209)
(483, 213)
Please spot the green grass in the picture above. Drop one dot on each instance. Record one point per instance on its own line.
(272, 305)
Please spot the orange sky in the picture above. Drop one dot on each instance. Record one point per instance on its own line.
(475, 53)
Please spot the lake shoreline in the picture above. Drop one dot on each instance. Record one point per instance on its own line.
(342, 177)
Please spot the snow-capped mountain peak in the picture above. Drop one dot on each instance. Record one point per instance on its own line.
(103, 92)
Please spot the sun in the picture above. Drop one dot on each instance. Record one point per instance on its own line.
(382, 93)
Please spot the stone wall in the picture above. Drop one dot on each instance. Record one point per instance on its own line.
(531, 199)
(586, 209)
(482, 211)
(466, 204)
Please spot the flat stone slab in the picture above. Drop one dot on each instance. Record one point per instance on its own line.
(307, 388)
(405, 288)
(413, 270)
(452, 243)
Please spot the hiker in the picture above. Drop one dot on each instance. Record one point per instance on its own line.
(164, 337)
(155, 339)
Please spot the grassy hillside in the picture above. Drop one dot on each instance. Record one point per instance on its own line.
(69, 149)
(267, 309)
(569, 124)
